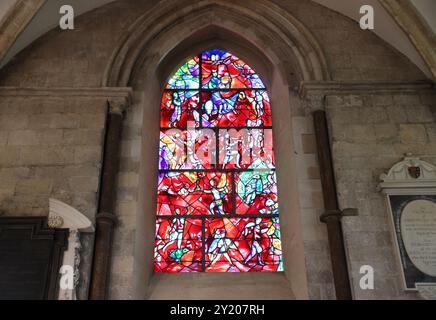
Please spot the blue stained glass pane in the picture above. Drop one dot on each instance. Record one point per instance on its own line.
(186, 77)
(222, 70)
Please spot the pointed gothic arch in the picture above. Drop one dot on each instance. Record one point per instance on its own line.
(148, 82)
(181, 19)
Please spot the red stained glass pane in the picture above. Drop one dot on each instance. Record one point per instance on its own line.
(243, 228)
(178, 245)
(217, 211)
(248, 108)
(178, 228)
(179, 108)
(241, 244)
(182, 149)
(237, 266)
(194, 193)
(246, 149)
(174, 267)
(222, 70)
(256, 192)
(178, 250)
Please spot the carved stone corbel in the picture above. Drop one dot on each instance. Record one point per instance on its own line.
(118, 106)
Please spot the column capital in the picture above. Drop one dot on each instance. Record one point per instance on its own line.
(118, 105)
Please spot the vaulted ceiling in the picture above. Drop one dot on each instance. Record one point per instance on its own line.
(46, 18)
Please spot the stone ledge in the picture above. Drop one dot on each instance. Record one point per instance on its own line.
(309, 88)
(91, 92)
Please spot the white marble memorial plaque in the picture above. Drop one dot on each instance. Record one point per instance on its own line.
(418, 230)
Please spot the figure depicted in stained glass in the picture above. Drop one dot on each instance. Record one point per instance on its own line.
(248, 108)
(172, 150)
(243, 244)
(219, 189)
(217, 210)
(222, 70)
(178, 108)
(256, 192)
(194, 193)
(176, 232)
(232, 146)
(220, 246)
(178, 244)
(186, 77)
(256, 248)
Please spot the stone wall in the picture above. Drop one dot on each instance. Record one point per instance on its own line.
(50, 145)
(80, 57)
(316, 246)
(370, 132)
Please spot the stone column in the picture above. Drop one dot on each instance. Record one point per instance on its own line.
(106, 219)
(332, 216)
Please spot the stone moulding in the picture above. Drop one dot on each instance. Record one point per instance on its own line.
(415, 27)
(308, 88)
(104, 92)
(15, 21)
(313, 93)
(115, 96)
(269, 18)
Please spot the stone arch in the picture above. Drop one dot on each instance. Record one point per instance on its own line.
(170, 18)
(145, 65)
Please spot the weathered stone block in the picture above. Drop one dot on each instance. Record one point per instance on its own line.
(84, 137)
(9, 156)
(431, 132)
(419, 114)
(64, 120)
(413, 133)
(39, 186)
(24, 138)
(128, 179)
(3, 137)
(92, 121)
(387, 133)
(126, 208)
(51, 137)
(84, 154)
(84, 184)
(379, 100)
(356, 133)
(40, 121)
(407, 100)
(308, 143)
(13, 122)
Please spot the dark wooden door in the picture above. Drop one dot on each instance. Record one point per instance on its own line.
(30, 258)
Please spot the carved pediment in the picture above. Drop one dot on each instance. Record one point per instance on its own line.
(64, 216)
(412, 172)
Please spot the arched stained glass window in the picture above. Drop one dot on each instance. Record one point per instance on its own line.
(217, 206)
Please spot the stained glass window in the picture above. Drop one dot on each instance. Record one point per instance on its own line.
(217, 203)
